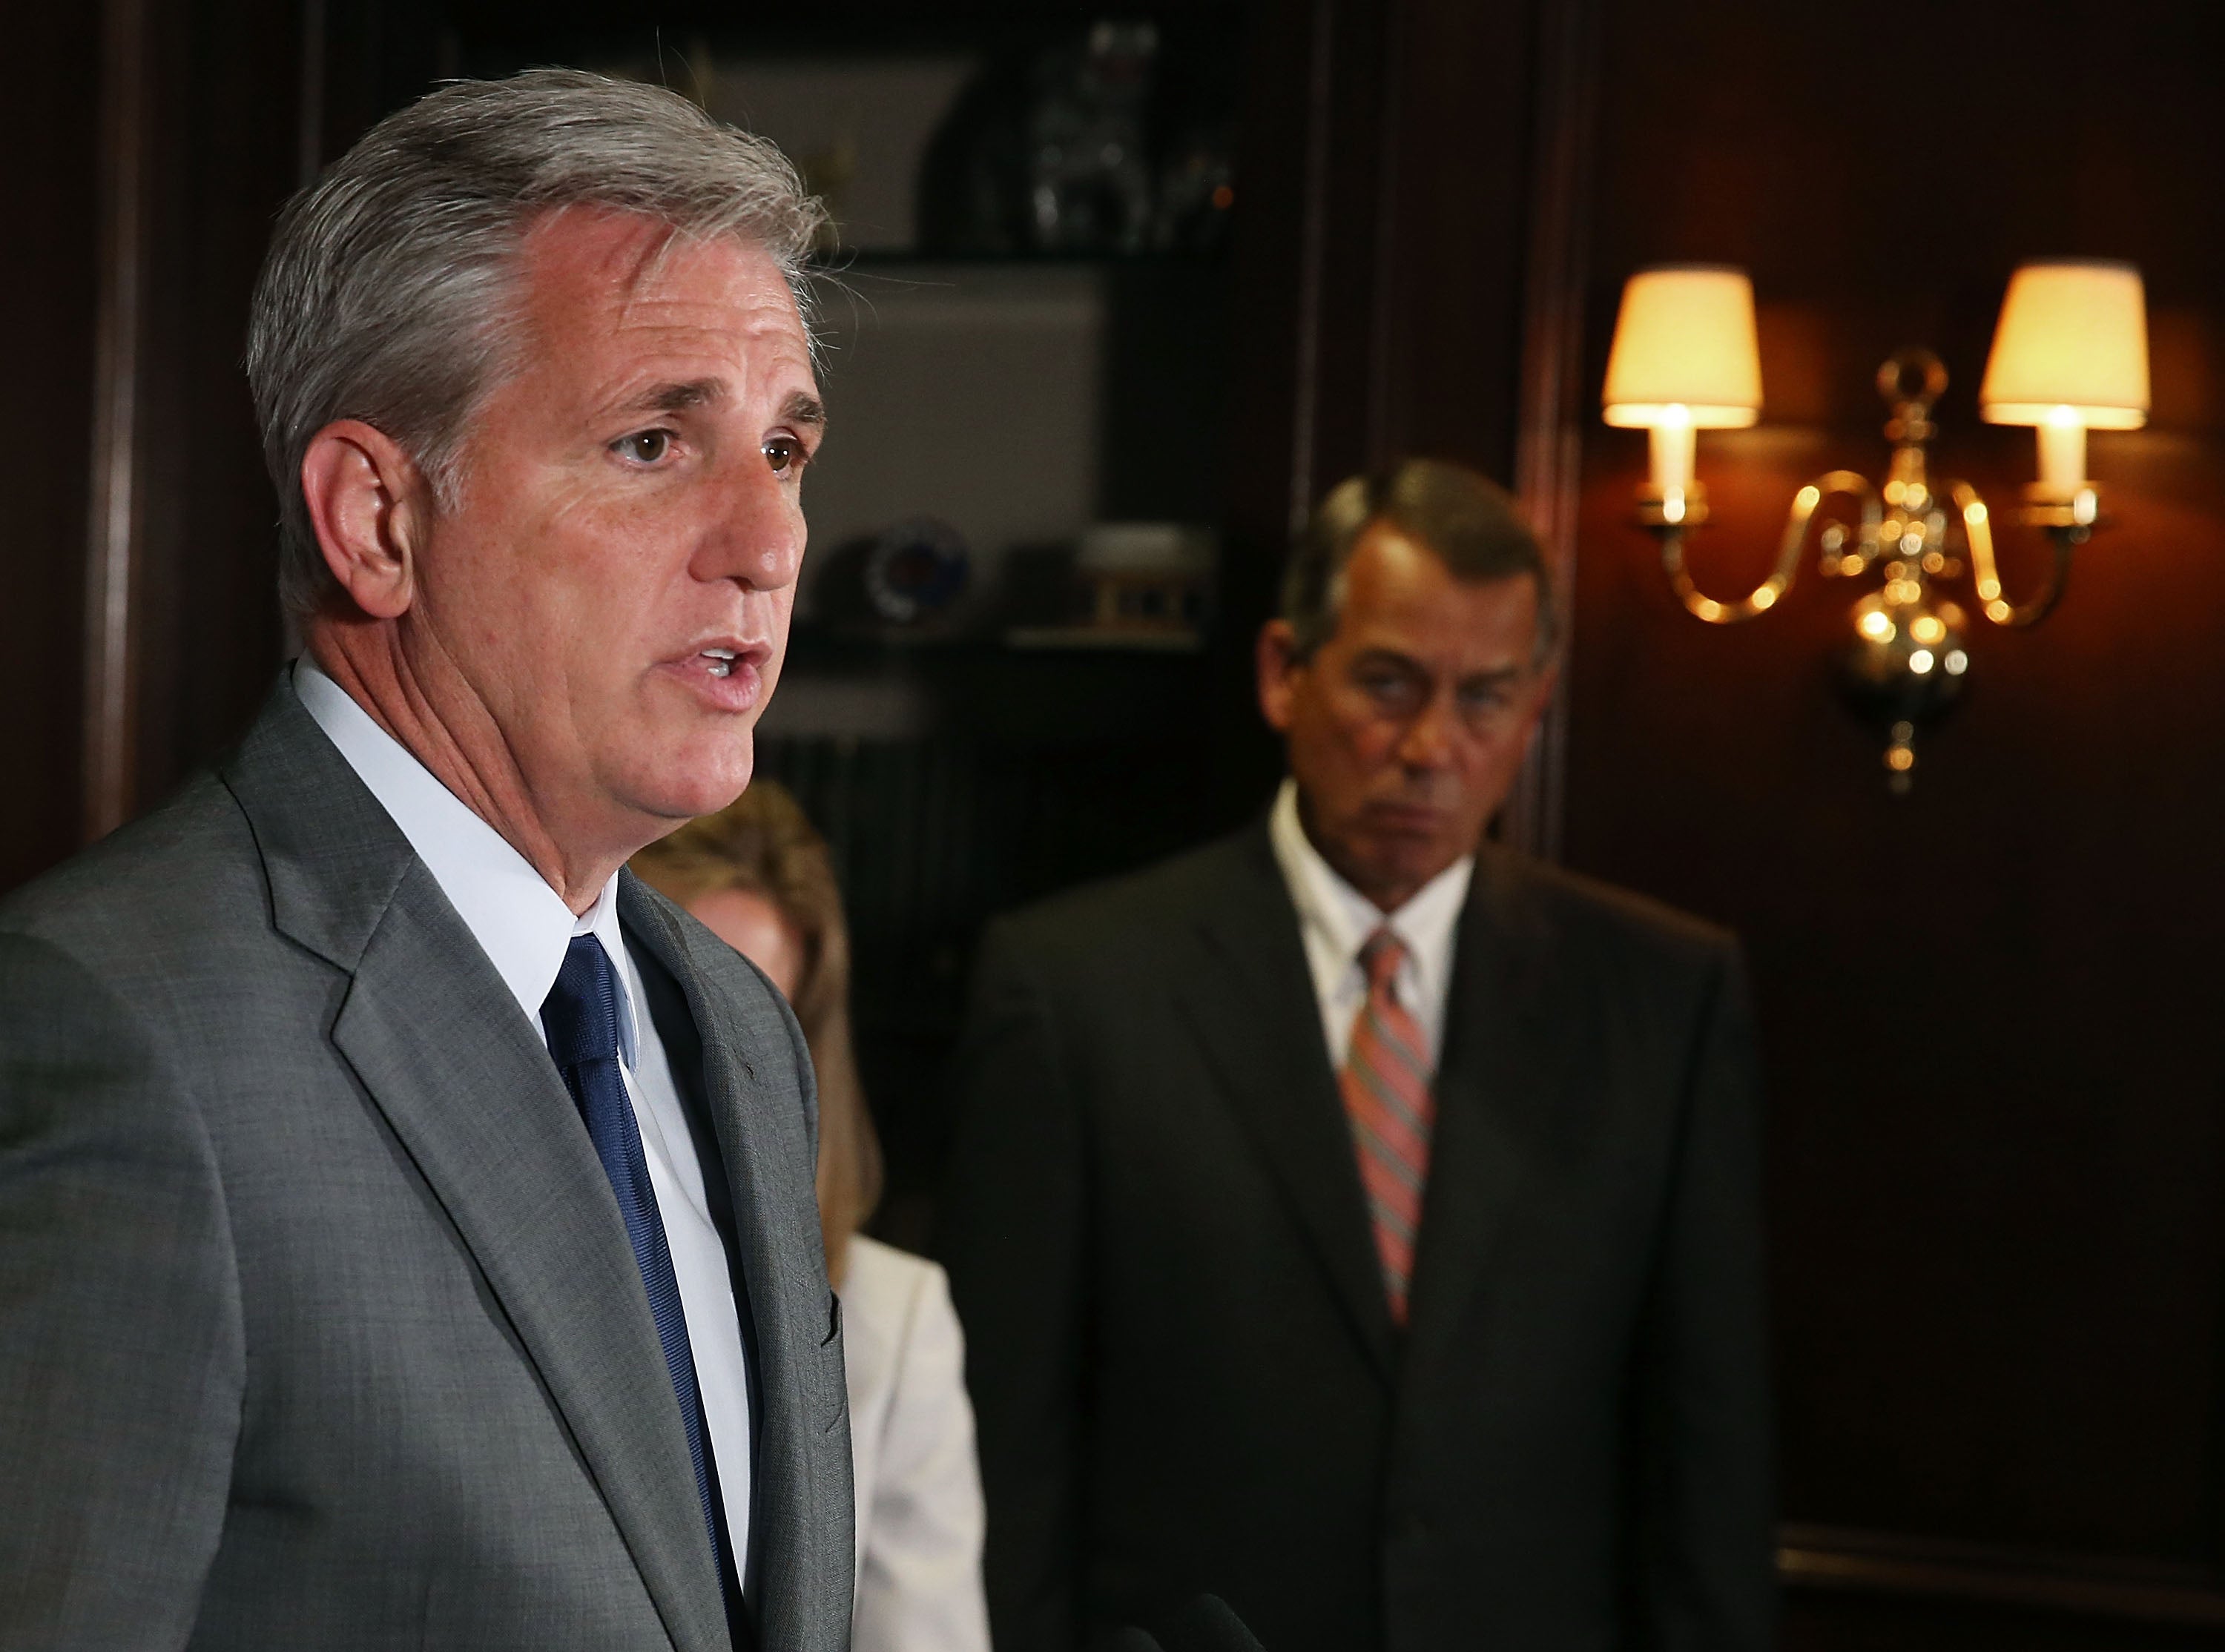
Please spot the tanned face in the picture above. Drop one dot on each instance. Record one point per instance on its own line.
(1405, 728)
(631, 513)
(581, 644)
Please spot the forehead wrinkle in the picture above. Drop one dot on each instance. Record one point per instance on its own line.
(763, 325)
(655, 293)
(637, 283)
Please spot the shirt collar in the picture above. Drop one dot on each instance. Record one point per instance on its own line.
(1329, 905)
(521, 923)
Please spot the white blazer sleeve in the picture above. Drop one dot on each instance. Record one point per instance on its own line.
(919, 1577)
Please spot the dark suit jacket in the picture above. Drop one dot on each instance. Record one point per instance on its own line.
(318, 1327)
(1186, 1376)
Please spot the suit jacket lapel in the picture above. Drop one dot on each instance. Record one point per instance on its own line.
(769, 1158)
(1503, 1063)
(1248, 998)
(468, 1088)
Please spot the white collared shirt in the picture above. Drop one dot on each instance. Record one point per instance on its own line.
(524, 927)
(1336, 921)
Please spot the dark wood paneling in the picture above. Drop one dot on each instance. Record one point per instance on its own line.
(48, 125)
(1309, 162)
(1988, 1008)
(1466, 86)
(225, 100)
(1387, 165)
(140, 628)
(1548, 451)
(1386, 161)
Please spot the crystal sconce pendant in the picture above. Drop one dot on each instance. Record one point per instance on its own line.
(2070, 355)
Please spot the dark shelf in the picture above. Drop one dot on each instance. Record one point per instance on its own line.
(867, 27)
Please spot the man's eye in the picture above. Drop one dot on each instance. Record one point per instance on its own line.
(785, 454)
(1385, 684)
(644, 447)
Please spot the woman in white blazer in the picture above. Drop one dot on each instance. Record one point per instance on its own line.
(757, 875)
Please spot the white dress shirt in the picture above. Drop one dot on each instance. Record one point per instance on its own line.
(911, 1442)
(1336, 921)
(524, 928)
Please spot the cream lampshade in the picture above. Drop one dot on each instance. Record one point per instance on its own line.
(2071, 354)
(1685, 358)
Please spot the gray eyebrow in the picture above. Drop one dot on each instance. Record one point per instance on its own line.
(679, 397)
(686, 394)
(1407, 662)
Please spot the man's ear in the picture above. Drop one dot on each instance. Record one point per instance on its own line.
(369, 506)
(1277, 663)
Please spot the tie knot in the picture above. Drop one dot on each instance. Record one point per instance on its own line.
(581, 1014)
(1380, 955)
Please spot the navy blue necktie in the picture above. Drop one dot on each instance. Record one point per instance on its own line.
(580, 1017)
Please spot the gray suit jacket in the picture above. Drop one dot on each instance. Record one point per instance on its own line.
(318, 1324)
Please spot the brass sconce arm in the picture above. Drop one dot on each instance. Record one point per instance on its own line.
(1763, 597)
(2063, 536)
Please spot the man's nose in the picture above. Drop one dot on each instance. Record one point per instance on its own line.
(1426, 742)
(754, 533)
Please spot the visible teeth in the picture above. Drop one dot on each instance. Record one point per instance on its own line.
(722, 660)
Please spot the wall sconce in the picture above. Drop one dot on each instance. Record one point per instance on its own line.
(2070, 355)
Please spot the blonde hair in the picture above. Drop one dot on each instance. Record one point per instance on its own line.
(763, 843)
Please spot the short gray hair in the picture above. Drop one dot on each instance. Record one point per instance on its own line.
(387, 294)
(1471, 523)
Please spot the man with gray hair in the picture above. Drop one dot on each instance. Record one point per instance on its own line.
(1355, 1219)
(409, 1237)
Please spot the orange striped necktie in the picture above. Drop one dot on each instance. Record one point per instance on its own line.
(1385, 1083)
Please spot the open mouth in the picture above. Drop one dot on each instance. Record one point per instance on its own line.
(732, 671)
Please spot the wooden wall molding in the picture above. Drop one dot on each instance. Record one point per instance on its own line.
(1891, 1563)
(1313, 240)
(1549, 437)
(113, 527)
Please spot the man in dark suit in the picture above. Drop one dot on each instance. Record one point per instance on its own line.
(1354, 1219)
(409, 1230)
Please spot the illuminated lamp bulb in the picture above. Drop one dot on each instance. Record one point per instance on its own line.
(1685, 358)
(2070, 355)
